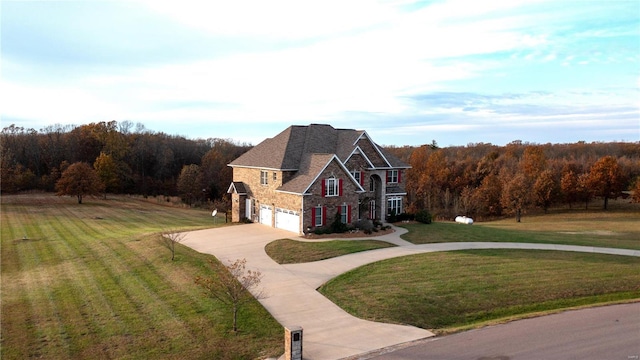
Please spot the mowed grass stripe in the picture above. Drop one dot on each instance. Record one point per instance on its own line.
(88, 281)
(136, 289)
(57, 279)
(38, 280)
(115, 292)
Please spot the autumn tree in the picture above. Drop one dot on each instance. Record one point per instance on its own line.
(585, 192)
(533, 161)
(516, 195)
(79, 180)
(232, 286)
(606, 179)
(487, 196)
(569, 187)
(635, 196)
(545, 189)
(216, 174)
(190, 183)
(107, 171)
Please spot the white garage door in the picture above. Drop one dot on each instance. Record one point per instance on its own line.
(266, 214)
(288, 220)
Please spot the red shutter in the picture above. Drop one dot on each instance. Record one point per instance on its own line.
(313, 216)
(361, 178)
(387, 180)
(340, 187)
(324, 187)
(324, 215)
(349, 214)
(399, 176)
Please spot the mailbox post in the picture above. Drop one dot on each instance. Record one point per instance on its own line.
(293, 343)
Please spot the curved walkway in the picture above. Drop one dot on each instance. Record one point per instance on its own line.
(292, 299)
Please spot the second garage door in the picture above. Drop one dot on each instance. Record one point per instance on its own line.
(288, 220)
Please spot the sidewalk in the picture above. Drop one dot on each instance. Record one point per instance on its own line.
(292, 299)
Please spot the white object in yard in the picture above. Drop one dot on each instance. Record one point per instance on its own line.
(215, 212)
(464, 220)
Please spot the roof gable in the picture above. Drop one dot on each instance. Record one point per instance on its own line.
(237, 187)
(307, 150)
(312, 166)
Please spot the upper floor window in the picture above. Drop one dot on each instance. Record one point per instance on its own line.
(264, 177)
(392, 176)
(275, 176)
(332, 187)
(357, 175)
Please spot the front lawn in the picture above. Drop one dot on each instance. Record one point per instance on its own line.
(454, 289)
(288, 251)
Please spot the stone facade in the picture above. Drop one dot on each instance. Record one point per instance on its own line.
(286, 176)
(331, 204)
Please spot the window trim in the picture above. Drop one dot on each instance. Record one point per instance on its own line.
(332, 187)
(344, 213)
(357, 174)
(393, 175)
(264, 177)
(318, 214)
(397, 201)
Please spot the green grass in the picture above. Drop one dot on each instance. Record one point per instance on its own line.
(448, 290)
(94, 281)
(602, 229)
(287, 251)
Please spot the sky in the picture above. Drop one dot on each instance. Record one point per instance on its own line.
(408, 72)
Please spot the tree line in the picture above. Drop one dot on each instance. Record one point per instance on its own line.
(479, 180)
(127, 158)
(485, 180)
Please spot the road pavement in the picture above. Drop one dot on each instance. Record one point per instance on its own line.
(603, 333)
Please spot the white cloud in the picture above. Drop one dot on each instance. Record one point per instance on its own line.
(278, 19)
(297, 62)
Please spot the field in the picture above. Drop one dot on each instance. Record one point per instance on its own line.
(619, 229)
(94, 281)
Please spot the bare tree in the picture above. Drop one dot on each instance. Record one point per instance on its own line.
(233, 287)
(170, 239)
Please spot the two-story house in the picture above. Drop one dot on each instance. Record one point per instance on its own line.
(301, 178)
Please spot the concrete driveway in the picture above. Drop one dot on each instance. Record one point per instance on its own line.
(292, 299)
(328, 331)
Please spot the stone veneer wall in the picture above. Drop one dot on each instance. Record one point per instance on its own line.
(349, 197)
(266, 194)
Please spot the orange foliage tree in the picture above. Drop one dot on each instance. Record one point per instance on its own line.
(606, 179)
(79, 180)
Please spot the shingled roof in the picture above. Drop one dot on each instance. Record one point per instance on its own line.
(290, 149)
